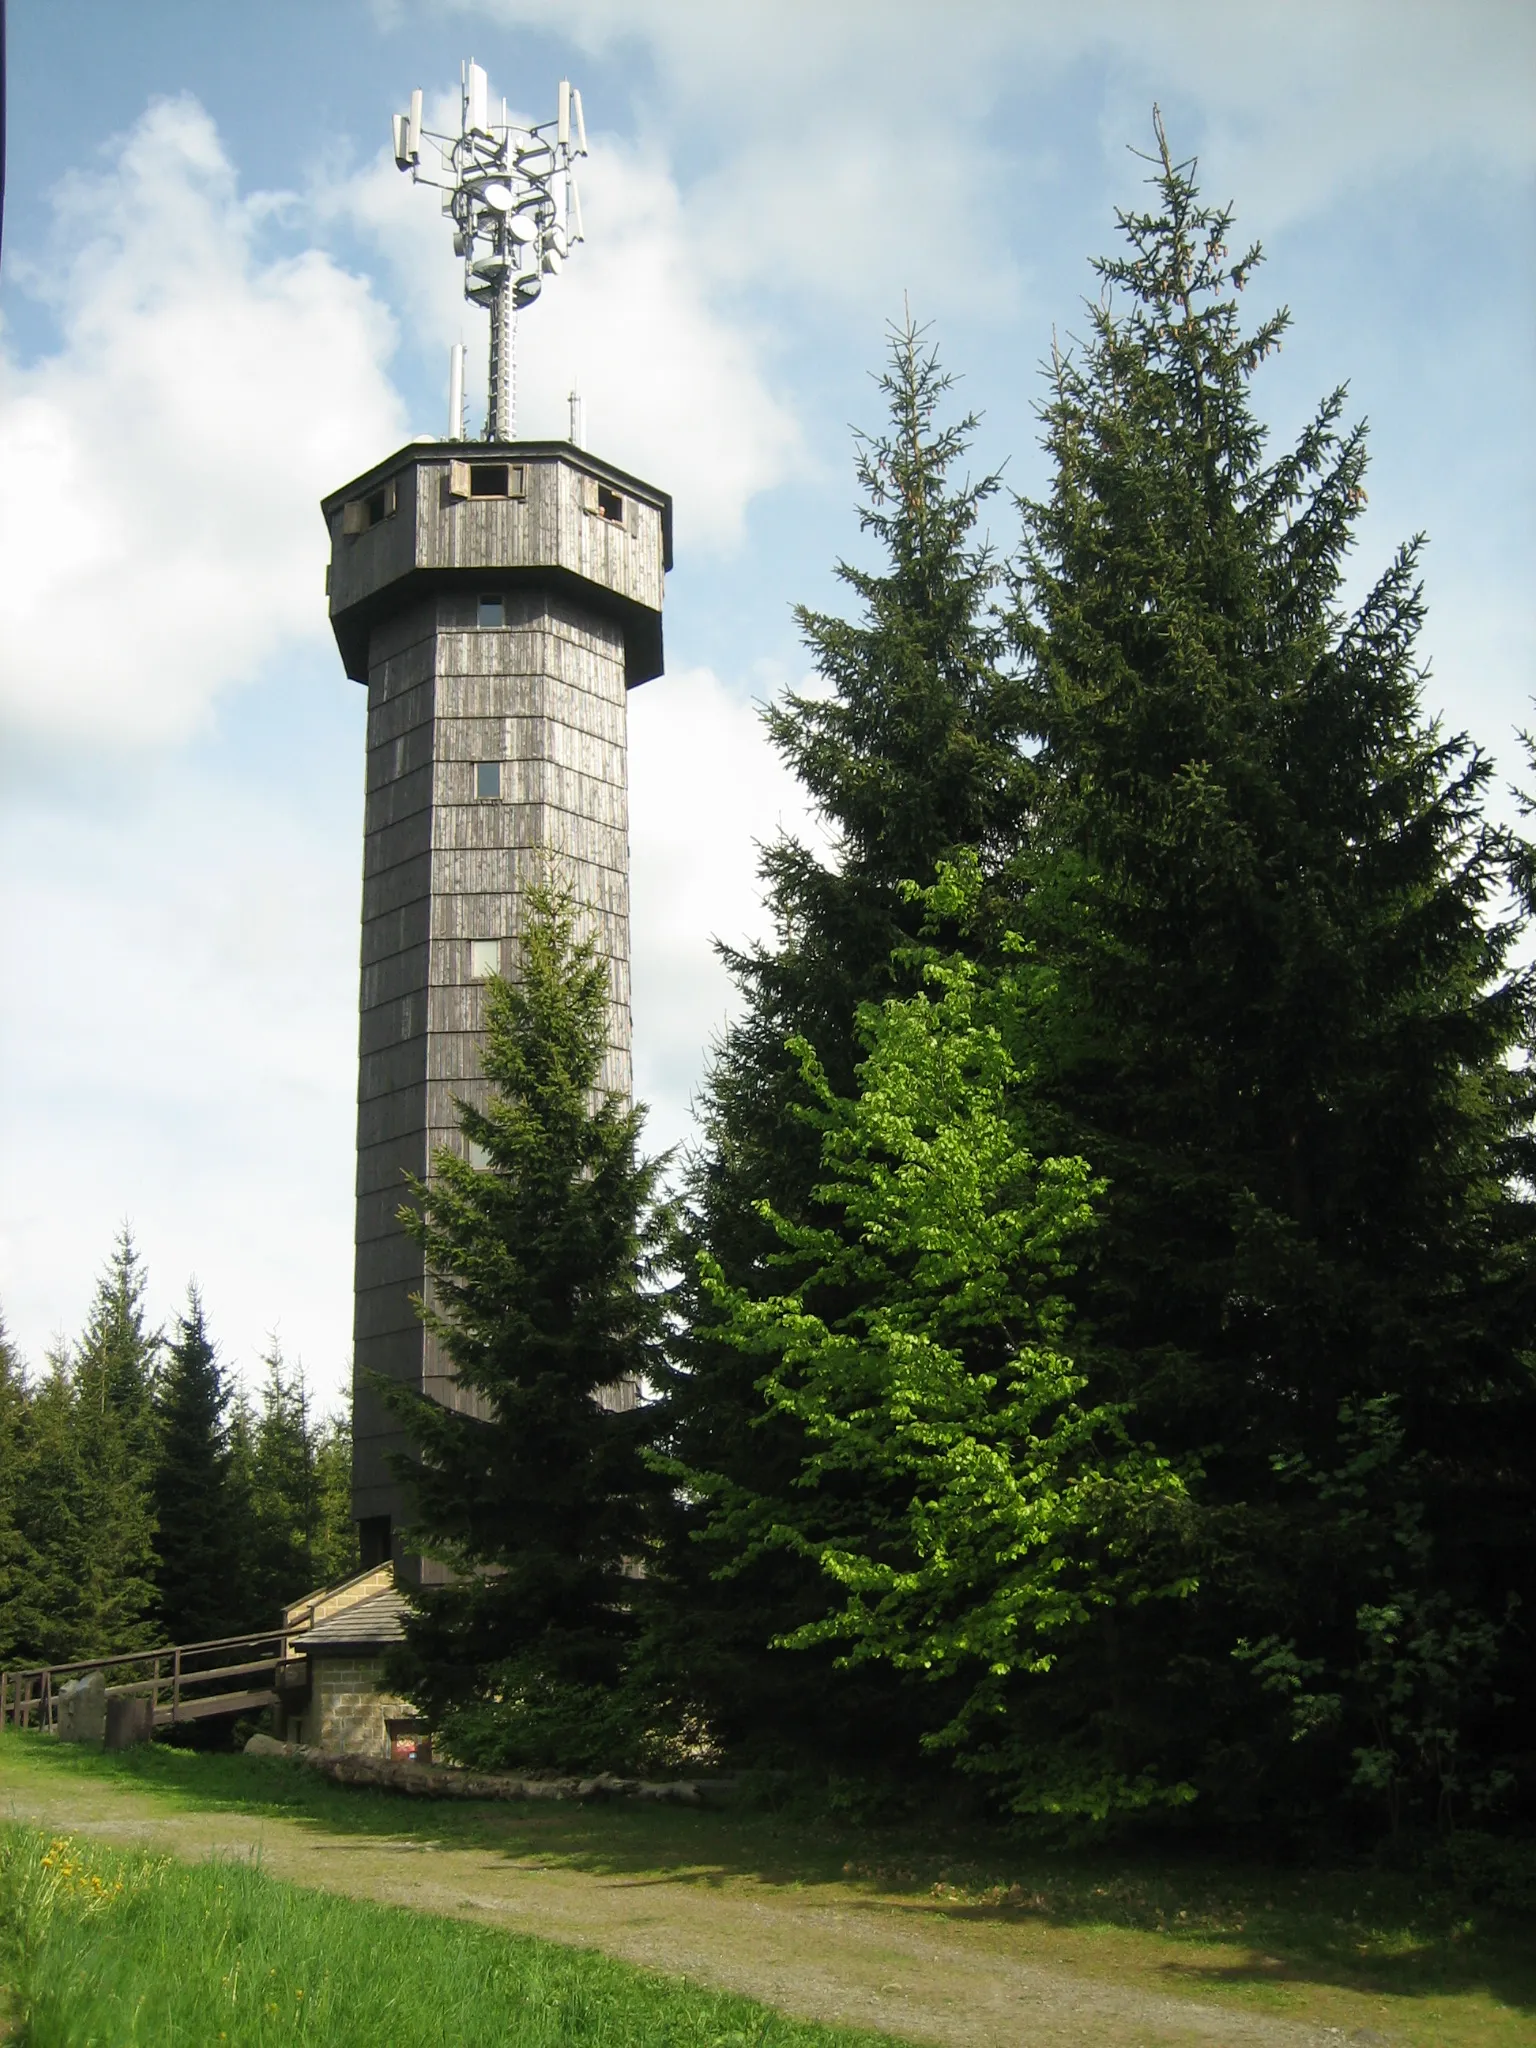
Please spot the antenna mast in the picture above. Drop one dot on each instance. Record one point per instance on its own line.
(511, 195)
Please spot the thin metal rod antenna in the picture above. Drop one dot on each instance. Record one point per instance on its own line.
(511, 195)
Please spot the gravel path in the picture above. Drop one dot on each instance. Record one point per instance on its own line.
(821, 1952)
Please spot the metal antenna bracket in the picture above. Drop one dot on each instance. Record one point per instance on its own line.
(511, 195)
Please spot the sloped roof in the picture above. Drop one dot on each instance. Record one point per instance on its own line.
(328, 1600)
(372, 1623)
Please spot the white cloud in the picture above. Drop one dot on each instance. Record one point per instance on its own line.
(889, 108)
(706, 790)
(674, 386)
(178, 1048)
(160, 473)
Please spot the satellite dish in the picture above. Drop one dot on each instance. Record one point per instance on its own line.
(497, 196)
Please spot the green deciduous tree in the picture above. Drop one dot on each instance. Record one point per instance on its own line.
(969, 1509)
(541, 1263)
(1264, 882)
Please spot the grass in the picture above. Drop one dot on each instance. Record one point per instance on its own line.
(103, 1947)
(1355, 1947)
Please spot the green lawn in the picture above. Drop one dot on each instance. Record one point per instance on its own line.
(103, 1949)
(1358, 1948)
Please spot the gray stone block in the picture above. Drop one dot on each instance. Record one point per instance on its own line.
(81, 1709)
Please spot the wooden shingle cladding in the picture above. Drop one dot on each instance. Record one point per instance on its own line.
(445, 870)
(557, 529)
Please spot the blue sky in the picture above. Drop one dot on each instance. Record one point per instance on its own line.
(218, 300)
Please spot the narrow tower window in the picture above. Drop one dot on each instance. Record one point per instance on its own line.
(487, 778)
(492, 612)
(484, 958)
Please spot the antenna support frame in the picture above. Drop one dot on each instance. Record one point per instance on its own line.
(511, 195)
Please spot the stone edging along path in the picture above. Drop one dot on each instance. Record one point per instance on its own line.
(440, 1781)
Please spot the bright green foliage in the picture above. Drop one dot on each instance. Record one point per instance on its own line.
(200, 1540)
(541, 1266)
(967, 1506)
(1264, 883)
(910, 753)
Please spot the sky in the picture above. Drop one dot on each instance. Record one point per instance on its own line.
(219, 301)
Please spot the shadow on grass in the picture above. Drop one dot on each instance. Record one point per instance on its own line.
(1360, 1930)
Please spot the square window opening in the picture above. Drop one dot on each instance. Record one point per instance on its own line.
(476, 1154)
(484, 958)
(489, 479)
(361, 515)
(491, 611)
(487, 778)
(610, 504)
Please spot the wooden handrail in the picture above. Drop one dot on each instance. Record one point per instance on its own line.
(32, 1686)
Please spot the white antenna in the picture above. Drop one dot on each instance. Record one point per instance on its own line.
(500, 193)
(456, 392)
(574, 400)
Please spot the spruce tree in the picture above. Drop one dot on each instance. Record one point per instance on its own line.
(911, 753)
(335, 1547)
(22, 1602)
(87, 1483)
(200, 1541)
(541, 1263)
(1265, 884)
(275, 1459)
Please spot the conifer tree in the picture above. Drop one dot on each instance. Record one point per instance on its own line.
(540, 1264)
(335, 1543)
(912, 753)
(1265, 883)
(22, 1608)
(288, 1549)
(200, 1541)
(88, 1475)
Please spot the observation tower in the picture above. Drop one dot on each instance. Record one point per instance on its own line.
(499, 599)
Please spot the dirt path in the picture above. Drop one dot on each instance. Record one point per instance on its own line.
(816, 1951)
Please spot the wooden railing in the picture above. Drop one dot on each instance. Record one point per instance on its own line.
(174, 1678)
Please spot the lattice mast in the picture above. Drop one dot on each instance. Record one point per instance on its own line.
(511, 195)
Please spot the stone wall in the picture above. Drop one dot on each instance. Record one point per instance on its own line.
(347, 1711)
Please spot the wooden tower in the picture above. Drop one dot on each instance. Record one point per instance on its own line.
(498, 600)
